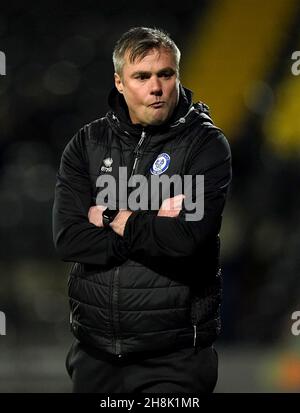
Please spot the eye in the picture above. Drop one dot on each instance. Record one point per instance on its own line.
(142, 76)
(167, 74)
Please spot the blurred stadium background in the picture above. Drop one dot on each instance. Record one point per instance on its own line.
(236, 56)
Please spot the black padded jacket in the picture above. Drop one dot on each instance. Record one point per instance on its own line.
(159, 286)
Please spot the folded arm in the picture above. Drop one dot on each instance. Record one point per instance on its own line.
(154, 236)
(75, 238)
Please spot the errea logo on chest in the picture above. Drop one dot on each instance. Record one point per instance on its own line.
(107, 165)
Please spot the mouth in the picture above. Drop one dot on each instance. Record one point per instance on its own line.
(157, 105)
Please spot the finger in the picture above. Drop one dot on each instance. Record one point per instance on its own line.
(100, 208)
(166, 204)
(178, 199)
(173, 203)
(91, 211)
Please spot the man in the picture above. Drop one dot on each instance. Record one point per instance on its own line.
(145, 284)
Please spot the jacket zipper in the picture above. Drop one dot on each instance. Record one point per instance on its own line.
(115, 278)
(115, 312)
(137, 153)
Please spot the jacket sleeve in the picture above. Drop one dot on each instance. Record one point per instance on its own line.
(155, 236)
(76, 239)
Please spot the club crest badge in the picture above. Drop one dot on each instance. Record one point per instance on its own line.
(161, 164)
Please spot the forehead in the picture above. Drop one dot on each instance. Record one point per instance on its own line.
(154, 60)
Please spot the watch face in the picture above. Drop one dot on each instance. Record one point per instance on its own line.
(109, 215)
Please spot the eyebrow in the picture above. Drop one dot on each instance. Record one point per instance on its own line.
(160, 72)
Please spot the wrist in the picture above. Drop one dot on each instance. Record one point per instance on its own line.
(108, 216)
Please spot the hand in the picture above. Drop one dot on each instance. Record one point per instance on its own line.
(95, 215)
(118, 224)
(171, 207)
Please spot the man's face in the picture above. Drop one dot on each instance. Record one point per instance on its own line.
(150, 87)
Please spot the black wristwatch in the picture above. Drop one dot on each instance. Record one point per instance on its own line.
(108, 215)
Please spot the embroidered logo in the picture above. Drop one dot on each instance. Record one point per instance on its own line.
(161, 164)
(107, 165)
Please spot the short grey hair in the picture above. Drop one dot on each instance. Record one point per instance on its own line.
(138, 41)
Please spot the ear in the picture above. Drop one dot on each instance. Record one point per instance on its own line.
(118, 83)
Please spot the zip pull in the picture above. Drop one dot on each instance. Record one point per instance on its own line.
(136, 152)
(143, 135)
(195, 335)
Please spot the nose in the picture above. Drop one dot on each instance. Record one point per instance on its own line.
(156, 87)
